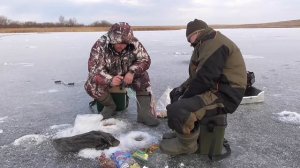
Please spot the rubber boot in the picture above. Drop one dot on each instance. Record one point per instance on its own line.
(182, 144)
(144, 110)
(109, 109)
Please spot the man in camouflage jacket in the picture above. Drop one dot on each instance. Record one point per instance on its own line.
(216, 85)
(116, 58)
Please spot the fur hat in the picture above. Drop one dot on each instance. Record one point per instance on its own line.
(195, 26)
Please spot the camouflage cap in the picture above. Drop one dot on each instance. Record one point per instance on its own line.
(120, 33)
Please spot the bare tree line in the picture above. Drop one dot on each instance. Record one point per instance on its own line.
(62, 22)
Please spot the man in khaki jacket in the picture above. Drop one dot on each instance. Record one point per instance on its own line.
(216, 85)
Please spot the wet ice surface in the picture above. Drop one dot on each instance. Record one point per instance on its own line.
(32, 105)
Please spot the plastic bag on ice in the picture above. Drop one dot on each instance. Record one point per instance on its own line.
(162, 102)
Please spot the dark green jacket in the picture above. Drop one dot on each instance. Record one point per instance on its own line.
(217, 65)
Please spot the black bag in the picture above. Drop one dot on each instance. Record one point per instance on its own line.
(93, 139)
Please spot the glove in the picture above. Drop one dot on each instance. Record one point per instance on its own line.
(189, 125)
(181, 116)
(175, 94)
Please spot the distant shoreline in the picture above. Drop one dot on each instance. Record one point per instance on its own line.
(283, 24)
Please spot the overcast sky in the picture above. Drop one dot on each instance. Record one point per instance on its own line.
(152, 12)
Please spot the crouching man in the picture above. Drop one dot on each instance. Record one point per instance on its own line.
(216, 85)
(118, 58)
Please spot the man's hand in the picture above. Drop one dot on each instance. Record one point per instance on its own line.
(116, 80)
(128, 78)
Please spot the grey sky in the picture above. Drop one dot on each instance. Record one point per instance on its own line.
(152, 12)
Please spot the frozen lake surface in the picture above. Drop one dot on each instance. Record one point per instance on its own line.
(34, 108)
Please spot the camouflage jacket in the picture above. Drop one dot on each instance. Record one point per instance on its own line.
(105, 63)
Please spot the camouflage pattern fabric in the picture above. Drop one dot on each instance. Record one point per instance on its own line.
(105, 63)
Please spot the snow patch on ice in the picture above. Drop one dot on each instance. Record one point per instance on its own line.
(60, 126)
(180, 53)
(136, 140)
(32, 139)
(93, 122)
(252, 57)
(113, 126)
(289, 117)
(2, 119)
(89, 153)
(25, 64)
(83, 123)
(87, 122)
(92, 153)
(52, 90)
(128, 142)
(47, 91)
(65, 133)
